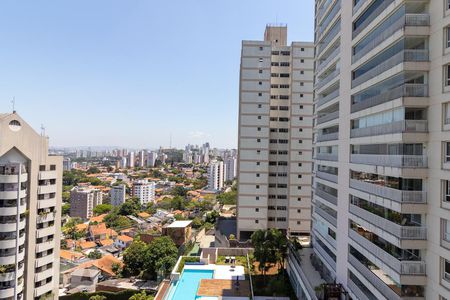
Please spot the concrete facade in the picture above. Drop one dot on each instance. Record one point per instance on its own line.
(83, 200)
(30, 194)
(275, 135)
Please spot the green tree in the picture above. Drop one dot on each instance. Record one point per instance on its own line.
(97, 297)
(102, 209)
(141, 296)
(263, 242)
(134, 258)
(95, 254)
(162, 254)
(130, 207)
(177, 203)
(65, 209)
(179, 191)
(93, 170)
(197, 222)
(212, 217)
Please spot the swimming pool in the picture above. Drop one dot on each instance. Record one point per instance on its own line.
(186, 287)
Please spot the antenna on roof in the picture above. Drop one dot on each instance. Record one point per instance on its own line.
(42, 130)
(13, 103)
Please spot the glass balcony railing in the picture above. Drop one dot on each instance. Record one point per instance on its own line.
(405, 126)
(408, 55)
(399, 161)
(405, 90)
(322, 100)
(328, 117)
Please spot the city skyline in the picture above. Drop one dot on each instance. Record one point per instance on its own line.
(94, 69)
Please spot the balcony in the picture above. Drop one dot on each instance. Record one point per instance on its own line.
(327, 176)
(321, 11)
(46, 217)
(42, 261)
(45, 246)
(327, 98)
(45, 175)
(43, 275)
(47, 189)
(323, 81)
(400, 196)
(401, 232)
(328, 137)
(46, 203)
(355, 289)
(375, 13)
(329, 37)
(401, 267)
(321, 66)
(13, 178)
(12, 195)
(406, 20)
(398, 161)
(325, 215)
(38, 291)
(327, 156)
(330, 17)
(405, 126)
(324, 195)
(297, 262)
(379, 284)
(328, 117)
(11, 259)
(45, 231)
(409, 55)
(358, 6)
(406, 90)
(322, 253)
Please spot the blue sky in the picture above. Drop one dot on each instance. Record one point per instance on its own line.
(131, 72)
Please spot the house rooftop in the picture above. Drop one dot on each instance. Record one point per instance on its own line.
(86, 273)
(179, 224)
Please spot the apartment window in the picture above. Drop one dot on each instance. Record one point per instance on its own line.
(299, 164)
(283, 130)
(273, 141)
(256, 221)
(259, 128)
(260, 71)
(300, 118)
(275, 52)
(258, 163)
(298, 222)
(446, 233)
(302, 72)
(285, 53)
(257, 198)
(261, 48)
(300, 141)
(274, 108)
(284, 107)
(258, 151)
(274, 97)
(299, 175)
(284, 75)
(281, 207)
(282, 197)
(299, 187)
(299, 210)
(42, 168)
(300, 152)
(447, 37)
(300, 130)
(447, 191)
(447, 75)
(259, 94)
(257, 209)
(283, 141)
(259, 105)
(301, 95)
(257, 186)
(281, 219)
(271, 207)
(259, 117)
(302, 49)
(284, 64)
(257, 174)
(274, 75)
(302, 60)
(301, 106)
(446, 270)
(299, 199)
(284, 97)
(260, 83)
(302, 84)
(52, 167)
(260, 59)
(258, 140)
(447, 152)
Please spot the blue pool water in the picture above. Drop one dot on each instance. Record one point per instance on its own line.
(186, 288)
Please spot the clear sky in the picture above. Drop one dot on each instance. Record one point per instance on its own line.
(131, 72)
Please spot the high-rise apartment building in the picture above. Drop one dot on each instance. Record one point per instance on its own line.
(131, 160)
(117, 194)
(382, 145)
(275, 134)
(230, 168)
(215, 175)
(144, 190)
(30, 194)
(83, 200)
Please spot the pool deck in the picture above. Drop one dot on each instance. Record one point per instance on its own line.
(223, 288)
(224, 272)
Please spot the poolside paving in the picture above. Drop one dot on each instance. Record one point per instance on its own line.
(223, 288)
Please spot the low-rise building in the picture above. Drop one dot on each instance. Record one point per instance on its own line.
(144, 190)
(123, 241)
(179, 231)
